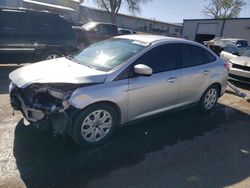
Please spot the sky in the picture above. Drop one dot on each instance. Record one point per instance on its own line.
(173, 11)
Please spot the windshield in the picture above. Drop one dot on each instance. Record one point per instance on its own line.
(246, 54)
(108, 54)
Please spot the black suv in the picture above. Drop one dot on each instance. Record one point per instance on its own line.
(34, 35)
(93, 32)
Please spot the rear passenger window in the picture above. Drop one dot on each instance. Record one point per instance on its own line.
(51, 25)
(191, 55)
(161, 58)
(208, 56)
(45, 24)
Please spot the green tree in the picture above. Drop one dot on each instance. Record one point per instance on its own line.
(113, 6)
(224, 8)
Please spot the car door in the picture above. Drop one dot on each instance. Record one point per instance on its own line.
(152, 94)
(194, 73)
(15, 30)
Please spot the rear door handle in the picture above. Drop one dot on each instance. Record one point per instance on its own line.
(206, 72)
(172, 79)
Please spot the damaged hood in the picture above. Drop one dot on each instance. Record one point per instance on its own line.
(61, 70)
(241, 60)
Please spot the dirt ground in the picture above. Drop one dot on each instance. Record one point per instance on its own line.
(181, 149)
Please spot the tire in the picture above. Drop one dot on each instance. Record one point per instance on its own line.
(51, 54)
(209, 99)
(90, 131)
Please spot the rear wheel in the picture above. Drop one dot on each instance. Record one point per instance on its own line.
(209, 99)
(94, 125)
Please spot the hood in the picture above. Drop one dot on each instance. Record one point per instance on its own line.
(242, 60)
(61, 70)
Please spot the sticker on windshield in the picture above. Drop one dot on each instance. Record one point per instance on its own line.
(140, 43)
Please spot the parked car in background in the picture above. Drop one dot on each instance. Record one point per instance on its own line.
(123, 31)
(211, 42)
(116, 81)
(93, 32)
(34, 34)
(220, 46)
(241, 44)
(239, 66)
(231, 45)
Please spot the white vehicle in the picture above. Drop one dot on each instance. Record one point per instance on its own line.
(239, 66)
(242, 44)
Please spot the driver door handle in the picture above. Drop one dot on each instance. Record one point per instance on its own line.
(172, 79)
(206, 72)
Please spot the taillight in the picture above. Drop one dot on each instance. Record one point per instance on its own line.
(226, 66)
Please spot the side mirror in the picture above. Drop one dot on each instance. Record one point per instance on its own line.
(143, 70)
(238, 45)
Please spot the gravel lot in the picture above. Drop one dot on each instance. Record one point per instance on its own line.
(181, 149)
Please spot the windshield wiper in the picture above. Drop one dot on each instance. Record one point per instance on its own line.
(79, 62)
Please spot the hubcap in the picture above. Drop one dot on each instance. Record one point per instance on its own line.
(96, 125)
(210, 99)
(52, 56)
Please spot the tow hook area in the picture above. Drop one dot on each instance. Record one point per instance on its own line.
(238, 92)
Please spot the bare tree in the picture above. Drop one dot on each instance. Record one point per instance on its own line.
(113, 6)
(224, 8)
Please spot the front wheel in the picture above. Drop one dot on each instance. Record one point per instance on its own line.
(209, 99)
(94, 125)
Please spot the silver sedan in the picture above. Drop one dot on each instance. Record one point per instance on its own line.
(115, 82)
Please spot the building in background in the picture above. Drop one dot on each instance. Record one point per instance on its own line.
(72, 10)
(67, 8)
(206, 29)
(131, 22)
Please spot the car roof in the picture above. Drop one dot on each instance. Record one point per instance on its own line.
(149, 38)
(7, 9)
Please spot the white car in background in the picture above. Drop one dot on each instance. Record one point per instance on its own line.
(239, 66)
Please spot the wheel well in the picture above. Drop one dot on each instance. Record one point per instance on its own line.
(115, 106)
(75, 112)
(218, 85)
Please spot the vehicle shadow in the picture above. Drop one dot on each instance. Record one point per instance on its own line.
(44, 161)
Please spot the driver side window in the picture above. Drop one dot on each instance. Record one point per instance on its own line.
(161, 58)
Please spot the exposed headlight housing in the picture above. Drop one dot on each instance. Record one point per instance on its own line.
(11, 86)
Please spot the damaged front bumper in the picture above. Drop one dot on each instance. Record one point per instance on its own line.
(44, 112)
